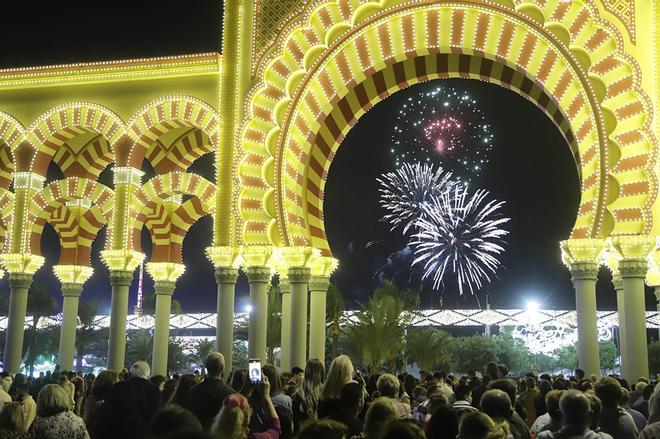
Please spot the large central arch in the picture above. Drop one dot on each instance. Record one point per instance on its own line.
(347, 58)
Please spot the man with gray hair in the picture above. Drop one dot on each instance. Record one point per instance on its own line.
(140, 369)
(575, 411)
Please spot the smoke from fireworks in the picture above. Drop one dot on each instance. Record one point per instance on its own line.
(461, 232)
(406, 192)
(443, 124)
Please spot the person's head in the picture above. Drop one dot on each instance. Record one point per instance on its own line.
(419, 394)
(352, 398)
(14, 418)
(595, 405)
(463, 392)
(648, 391)
(186, 382)
(404, 429)
(380, 413)
(506, 385)
(609, 391)
(491, 369)
(625, 398)
(52, 400)
(496, 404)
(140, 369)
(273, 378)
(575, 410)
(340, 372)
(168, 390)
(443, 423)
(530, 383)
(323, 429)
(579, 374)
(640, 386)
(158, 381)
(214, 365)
(232, 421)
(436, 400)
(238, 378)
(388, 385)
(103, 383)
(552, 403)
(173, 419)
(478, 425)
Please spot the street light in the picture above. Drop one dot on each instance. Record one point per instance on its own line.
(532, 305)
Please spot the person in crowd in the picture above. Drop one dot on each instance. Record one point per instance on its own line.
(640, 419)
(478, 391)
(238, 378)
(409, 383)
(478, 425)
(638, 391)
(497, 404)
(404, 429)
(323, 429)
(297, 376)
(98, 393)
(277, 395)
(527, 399)
(550, 420)
(613, 419)
(21, 393)
(388, 387)
(286, 422)
(418, 400)
(305, 399)
(181, 393)
(463, 403)
(381, 412)
(234, 417)
(579, 375)
(545, 386)
(340, 372)
(158, 381)
(173, 419)
(652, 429)
(642, 404)
(207, 397)
(443, 423)
(168, 390)
(54, 418)
(493, 371)
(68, 387)
(5, 398)
(13, 422)
(352, 402)
(519, 428)
(575, 411)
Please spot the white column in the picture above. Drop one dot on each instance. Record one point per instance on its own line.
(584, 281)
(633, 272)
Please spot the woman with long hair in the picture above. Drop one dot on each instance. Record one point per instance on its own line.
(306, 398)
(339, 373)
(180, 396)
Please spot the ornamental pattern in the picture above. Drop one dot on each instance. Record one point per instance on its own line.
(624, 10)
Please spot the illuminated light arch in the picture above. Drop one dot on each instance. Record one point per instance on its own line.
(51, 133)
(6, 209)
(178, 156)
(166, 114)
(291, 134)
(86, 196)
(12, 134)
(76, 228)
(168, 219)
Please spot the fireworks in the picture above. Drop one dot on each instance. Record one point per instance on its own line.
(443, 124)
(461, 232)
(406, 193)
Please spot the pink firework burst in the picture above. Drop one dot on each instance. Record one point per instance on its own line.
(444, 133)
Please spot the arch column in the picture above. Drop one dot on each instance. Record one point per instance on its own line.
(226, 278)
(259, 280)
(19, 283)
(299, 279)
(318, 288)
(285, 344)
(620, 307)
(120, 280)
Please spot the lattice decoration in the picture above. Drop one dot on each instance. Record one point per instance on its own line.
(624, 10)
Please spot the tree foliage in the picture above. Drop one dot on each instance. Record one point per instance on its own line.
(431, 348)
(274, 323)
(334, 314)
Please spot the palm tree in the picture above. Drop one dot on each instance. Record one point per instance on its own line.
(274, 324)
(177, 359)
(430, 348)
(334, 315)
(149, 304)
(201, 350)
(138, 347)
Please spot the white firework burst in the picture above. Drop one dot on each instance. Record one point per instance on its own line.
(407, 192)
(460, 232)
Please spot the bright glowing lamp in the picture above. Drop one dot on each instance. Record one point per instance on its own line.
(532, 305)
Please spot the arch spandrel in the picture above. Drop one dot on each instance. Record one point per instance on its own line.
(290, 122)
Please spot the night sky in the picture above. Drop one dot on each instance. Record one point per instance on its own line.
(531, 167)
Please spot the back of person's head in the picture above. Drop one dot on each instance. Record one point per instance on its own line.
(173, 419)
(648, 391)
(575, 409)
(380, 413)
(530, 382)
(625, 397)
(52, 400)
(560, 384)
(478, 425)
(186, 382)
(506, 385)
(238, 378)
(232, 421)
(443, 423)
(323, 429)
(404, 429)
(314, 373)
(352, 396)
(214, 364)
(158, 381)
(436, 400)
(13, 417)
(388, 385)
(552, 403)
(339, 373)
(102, 384)
(462, 391)
(140, 369)
(595, 405)
(654, 402)
(609, 391)
(419, 392)
(491, 369)
(273, 378)
(496, 404)
(640, 386)
(579, 374)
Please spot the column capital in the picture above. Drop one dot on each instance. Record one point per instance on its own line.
(258, 273)
(73, 274)
(28, 180)
(226, 275)
(617, 281)
(285, 285)
(319, 283)
(20, 280)
(127, 175)
(298, 256)
(634, 246)
(581, 250)
(299, 274)
(224, 256)
(258, 255)
(121, 277)
(657, 293)
(165, 271)
(583, 270)
(164, 287)
(324, 266)
(122, 260)
(21, 262)
(633, 267)
(70, 289)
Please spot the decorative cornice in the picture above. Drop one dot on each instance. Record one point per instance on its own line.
(633, 268)
(20, 280)
(226, 275)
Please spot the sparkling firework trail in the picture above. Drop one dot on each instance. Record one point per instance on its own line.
(406, 193)
(460, 232)
(443, 124)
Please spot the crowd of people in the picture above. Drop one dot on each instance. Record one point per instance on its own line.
(317, 404)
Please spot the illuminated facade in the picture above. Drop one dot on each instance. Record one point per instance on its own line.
(293, 78)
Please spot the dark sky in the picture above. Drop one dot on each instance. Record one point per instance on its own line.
(531, 167)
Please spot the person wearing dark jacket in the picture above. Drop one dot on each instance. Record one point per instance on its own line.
(206, 398)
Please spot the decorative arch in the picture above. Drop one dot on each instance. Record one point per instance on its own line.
(332, 70)
(12, 134)
(149, 124)
(6, 209)
(53, 135)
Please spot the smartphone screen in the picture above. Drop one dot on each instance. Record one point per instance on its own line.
(254, 369)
